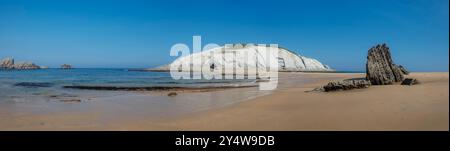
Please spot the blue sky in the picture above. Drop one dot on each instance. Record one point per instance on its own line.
(130, 33)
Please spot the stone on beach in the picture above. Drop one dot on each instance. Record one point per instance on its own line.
(410, 81)
(172, 94)
(70, 100)
(346, 85)
(380, 69)
(62, 95)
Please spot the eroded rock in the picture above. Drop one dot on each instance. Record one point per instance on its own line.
(380, 69)
(410, 81)
(346, 85)
(403, 70)
(172, 94)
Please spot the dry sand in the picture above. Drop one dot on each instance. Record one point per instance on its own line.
(393, 107)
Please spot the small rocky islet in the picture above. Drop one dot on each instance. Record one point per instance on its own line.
(9, 64)
(66, 66)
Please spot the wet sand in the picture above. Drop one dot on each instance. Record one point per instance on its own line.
(393, 107)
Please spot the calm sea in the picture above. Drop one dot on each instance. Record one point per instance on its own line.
(100, 77)
(33, 92)
(15, 82)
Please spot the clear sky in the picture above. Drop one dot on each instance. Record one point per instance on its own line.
(130, 33)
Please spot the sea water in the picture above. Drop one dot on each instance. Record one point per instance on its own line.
(100, 77)
(29, 93)
(38, 92)
(34, 81)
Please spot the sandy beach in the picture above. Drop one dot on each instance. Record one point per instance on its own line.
(392, 107)
(290, 107)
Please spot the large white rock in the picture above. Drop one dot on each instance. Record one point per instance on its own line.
(237, 54)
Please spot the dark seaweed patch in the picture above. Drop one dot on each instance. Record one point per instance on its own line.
(34, 84)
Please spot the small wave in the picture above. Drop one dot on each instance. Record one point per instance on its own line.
(205, 82)
(152, 88)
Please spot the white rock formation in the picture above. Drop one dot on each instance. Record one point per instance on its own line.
(237, 54)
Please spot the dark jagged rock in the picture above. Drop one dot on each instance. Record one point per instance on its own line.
(410, 81)
(318, 89)
(346, 85)
(70, 100)
(66, 66)
(34, 84)
(380, 69)
(404, 71)
(62, 95)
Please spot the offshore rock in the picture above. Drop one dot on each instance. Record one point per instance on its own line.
(410, 81)
(26, 66)
(66, 66)
(7, 63)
